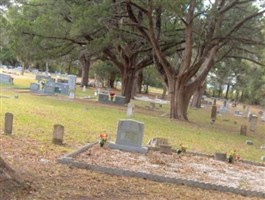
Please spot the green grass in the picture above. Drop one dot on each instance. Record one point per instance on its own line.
(34, 117)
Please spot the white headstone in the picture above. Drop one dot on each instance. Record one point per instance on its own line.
(130, 110)
(84, 88)
(72, 83)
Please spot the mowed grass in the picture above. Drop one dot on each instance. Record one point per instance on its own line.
(84, 119)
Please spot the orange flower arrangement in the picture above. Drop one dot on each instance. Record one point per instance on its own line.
(103, 137)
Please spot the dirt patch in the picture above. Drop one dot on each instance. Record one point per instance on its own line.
(36, 163)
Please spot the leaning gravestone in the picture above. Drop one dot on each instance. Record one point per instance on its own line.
(8, 123)
(129, 136)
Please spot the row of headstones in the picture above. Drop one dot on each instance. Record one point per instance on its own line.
(129, 134)
(6, 79)
(129, 137)
(58, 130)
(52, 87)
(106, 98)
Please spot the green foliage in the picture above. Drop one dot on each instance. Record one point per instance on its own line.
(104, 71)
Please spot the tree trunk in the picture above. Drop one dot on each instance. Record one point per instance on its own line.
(180, 103)
(128, 77)
(140, 81)
(135, 87)
(85, 64)
(111, 80)
(220, 91)
(227, 90)
(23, 68)
(197, 96)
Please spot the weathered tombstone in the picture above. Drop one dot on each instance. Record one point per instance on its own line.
(84, 88)
(34, 87)
(220, 156)
(72, 84)
(249, 142)
(103, 98)
(155, 143)
(8, 123)
(129, 136)
(58, 132)
(166, 149)
(253, 122)
(130, 110)
(120, 100)
(247, 112)
(6, 79)
(243, 130)
(62, 88)
(249, 116)
(49, 90)
(213, 113)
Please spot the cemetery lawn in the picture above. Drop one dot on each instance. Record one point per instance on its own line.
(30, 151)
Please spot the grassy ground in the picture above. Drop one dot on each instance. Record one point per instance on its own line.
(84, 119)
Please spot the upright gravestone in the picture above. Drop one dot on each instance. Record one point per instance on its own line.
(34, 87)
(120, 100)
(58, 132)
(8, 123)
(72, 84)
(49, 90)
(6, 79)
(130, 110)
(103, 98)
(247, 112)
(253, 122)
(129, 136)
(243, 130)
(213, 113)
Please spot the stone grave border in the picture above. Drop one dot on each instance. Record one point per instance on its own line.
(68, 159)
